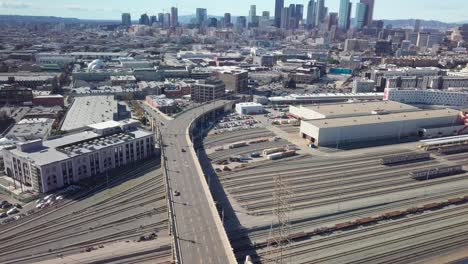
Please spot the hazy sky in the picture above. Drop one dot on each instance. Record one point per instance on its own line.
(443, 10)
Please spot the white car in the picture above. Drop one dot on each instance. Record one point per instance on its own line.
(12, 211)
(39, 205)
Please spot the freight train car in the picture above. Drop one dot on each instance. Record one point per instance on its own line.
(404, 158)
(453, 149)
(434, 173)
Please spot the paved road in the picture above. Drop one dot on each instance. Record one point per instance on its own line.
(199, 239)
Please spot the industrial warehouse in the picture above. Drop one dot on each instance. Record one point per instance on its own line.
(378, 125)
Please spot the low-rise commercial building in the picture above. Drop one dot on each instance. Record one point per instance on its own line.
(30, 129)
(329, 111)
(249, 108)
(45, 166)
(10, 94)
(90, 110)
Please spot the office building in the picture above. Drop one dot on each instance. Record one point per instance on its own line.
(161, 19)
(417, 25)
(241, 22)
(358, 45)
(227, 20)
(49, 165)
(201, 16)
(126, 19)
(279, 5)
(174, 17)
(252, 13)
(332, 20)
(208, 90)
(235, 80)
(361, 12)
(299, 15)
(311, 13)
(285, 18)
(292, 16)
(11, 94)
(153, 20)
(345, 15)
(369, 11)
(144, 20)
(423, 39)
(320, 12)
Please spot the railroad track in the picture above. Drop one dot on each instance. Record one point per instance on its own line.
(263, 208)
(61, 219)
(80, 246)
(375, 259)
(426, 219)
(298, 225)
(230, 138)
(73, 200)
(308, 177)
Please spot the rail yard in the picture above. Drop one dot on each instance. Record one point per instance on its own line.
(400, 202)
(131, 210)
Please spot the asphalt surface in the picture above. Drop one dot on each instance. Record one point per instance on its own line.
(198, 237)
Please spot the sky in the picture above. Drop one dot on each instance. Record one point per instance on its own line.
(442, 10)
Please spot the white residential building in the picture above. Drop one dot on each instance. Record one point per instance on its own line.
(44, 166)
(429, 97)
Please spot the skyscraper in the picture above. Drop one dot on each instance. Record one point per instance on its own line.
(299, 14)
(320, 12)
(345, 15)
(153, 20)
(161, 19)
(227, 19)
(311, 12)
(144, 20)
(252, 13)
(174, 17)
(292, 16)
(361, 11)
(201, 16)
(241, 22)
(279, 4)
(285, 18)
(126, 19)
(370, 11)
(266, 15)
(417, 25)
(332, 20)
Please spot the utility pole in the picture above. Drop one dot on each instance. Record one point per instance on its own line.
(279, 239)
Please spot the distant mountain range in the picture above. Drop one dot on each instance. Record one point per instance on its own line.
(399, 23)
(409, 23)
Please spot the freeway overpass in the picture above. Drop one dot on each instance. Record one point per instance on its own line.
(199, 235)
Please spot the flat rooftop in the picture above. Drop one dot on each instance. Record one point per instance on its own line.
(360, 108)
(65, 147)
(32, 128)
(375, 119)
(90, 110)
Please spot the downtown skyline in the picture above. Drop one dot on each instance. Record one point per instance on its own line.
(448, 11)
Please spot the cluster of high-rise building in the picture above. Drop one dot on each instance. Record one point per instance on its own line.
(165, 20)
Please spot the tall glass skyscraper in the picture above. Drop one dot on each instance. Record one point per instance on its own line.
(344, 20)
(361, 11)
(311, 12)
(279, 4)
(369, 12)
